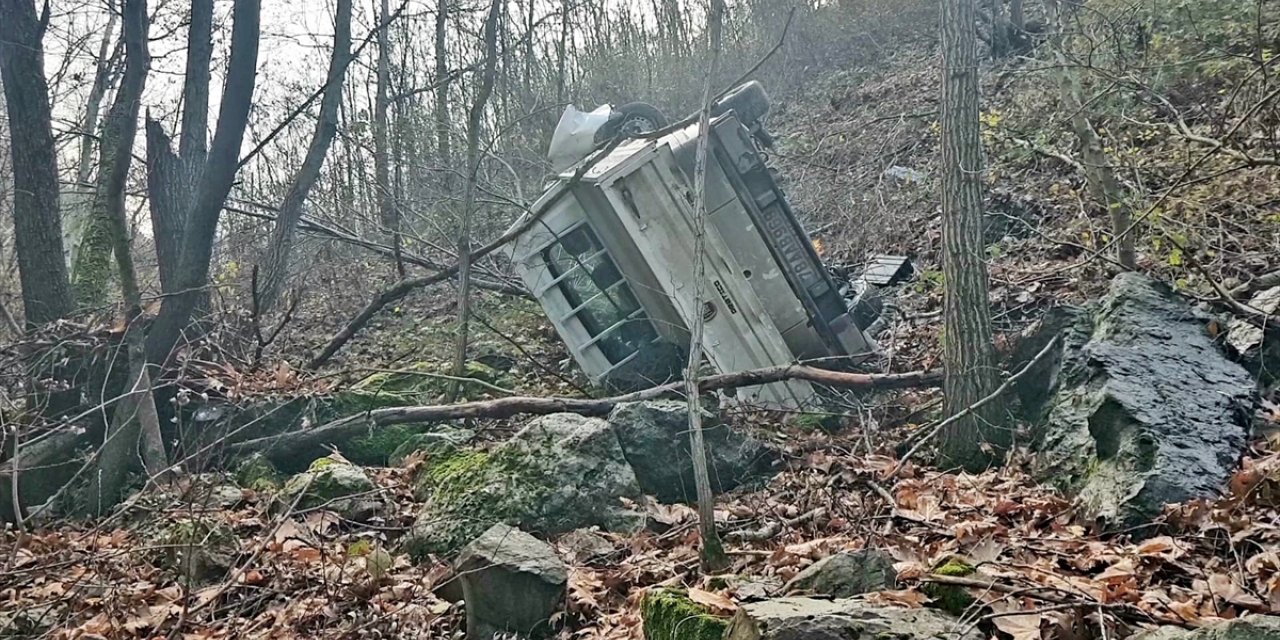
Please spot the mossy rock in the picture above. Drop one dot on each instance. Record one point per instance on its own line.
(257, 473)
(951, 598)
(669, 614)
(826, 422)
(198, 550)
(333, 484)
(421, 382)
(438, 441)
(559, 473)
(376, 448)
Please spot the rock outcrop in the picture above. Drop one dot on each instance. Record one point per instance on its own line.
(559, 473)
(335, 484)
(1250, 628)
(511, 582)
(655, 440)
(844, 575)
(1141, 408)
(846, 619)
(669, 614)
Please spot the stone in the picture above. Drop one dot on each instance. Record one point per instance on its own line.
(256, 472)
(335, 484)
(655, 440)
(841, 619)
(1249, 628)
(438, 440)
(844, 575)
(559, 473)
(1259, 355)
(584, 546)
(511, 582)
(200, 551)
(1140, 408)
(669, 614)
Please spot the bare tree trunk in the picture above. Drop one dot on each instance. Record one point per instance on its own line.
(381, 145)
(37, 226)
(562, 50)
(1104, 186)
(215, 183)
(999, 29)
(134, 420)
(475, 120)
(967, 339)
(444, 154)
(171, 178)
(76, 218)
(282, 238)
(714, 559)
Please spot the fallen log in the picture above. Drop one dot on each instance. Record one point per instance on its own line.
(352, 426)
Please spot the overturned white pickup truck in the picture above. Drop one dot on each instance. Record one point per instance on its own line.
(611, 257)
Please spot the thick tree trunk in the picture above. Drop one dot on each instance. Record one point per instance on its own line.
(37, 227)
(475, 120)
(286, 228)
(381, 137)
(134, 421)
(171, 178)
(976, 440)
(201, 220)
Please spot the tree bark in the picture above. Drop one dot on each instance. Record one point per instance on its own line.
(134, 420)
(171, 177)
(37, 227)
(286, 227)
(444, 152)
(475, 120)
(75, 220)
(215, 183)
(381, 140)
(975, 441)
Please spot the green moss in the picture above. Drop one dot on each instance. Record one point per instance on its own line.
(199, 550)
(829, 422)
(320, 464)
(377, 447)
(669, 614)
(951, 598)
(449, 479)
(257, 473)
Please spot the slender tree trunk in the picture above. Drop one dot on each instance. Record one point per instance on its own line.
(713, 556)
(967, 339)
(381, 140)
(999, 29)
(215, 183)
(75, 220)
(475, 120)
(1099, 169)
(286, 228)
(37, 227)
(562, 51)
(134, 421)
(444, 153)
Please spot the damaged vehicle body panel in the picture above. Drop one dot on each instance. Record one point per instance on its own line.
(611, 259)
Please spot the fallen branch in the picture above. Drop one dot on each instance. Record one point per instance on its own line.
(352, 426)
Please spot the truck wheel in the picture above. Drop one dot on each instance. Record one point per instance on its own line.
(638, 118)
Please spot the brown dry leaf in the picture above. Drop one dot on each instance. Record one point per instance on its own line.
(1022, 626)
(1119, 572)
(713, 601)
(910, 598)
(1223, 587)
(1164, 546)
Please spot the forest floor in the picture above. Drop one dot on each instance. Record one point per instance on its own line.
(1040, 573)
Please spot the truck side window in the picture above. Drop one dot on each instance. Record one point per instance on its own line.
(599, 296)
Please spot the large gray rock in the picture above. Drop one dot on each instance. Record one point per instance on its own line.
(655, 439)
(1140, 408)
(511, 582)
(559, 473)
(845, 575)
(1250, 628)
(812, 619)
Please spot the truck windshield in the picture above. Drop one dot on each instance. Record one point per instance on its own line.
(598, 294)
